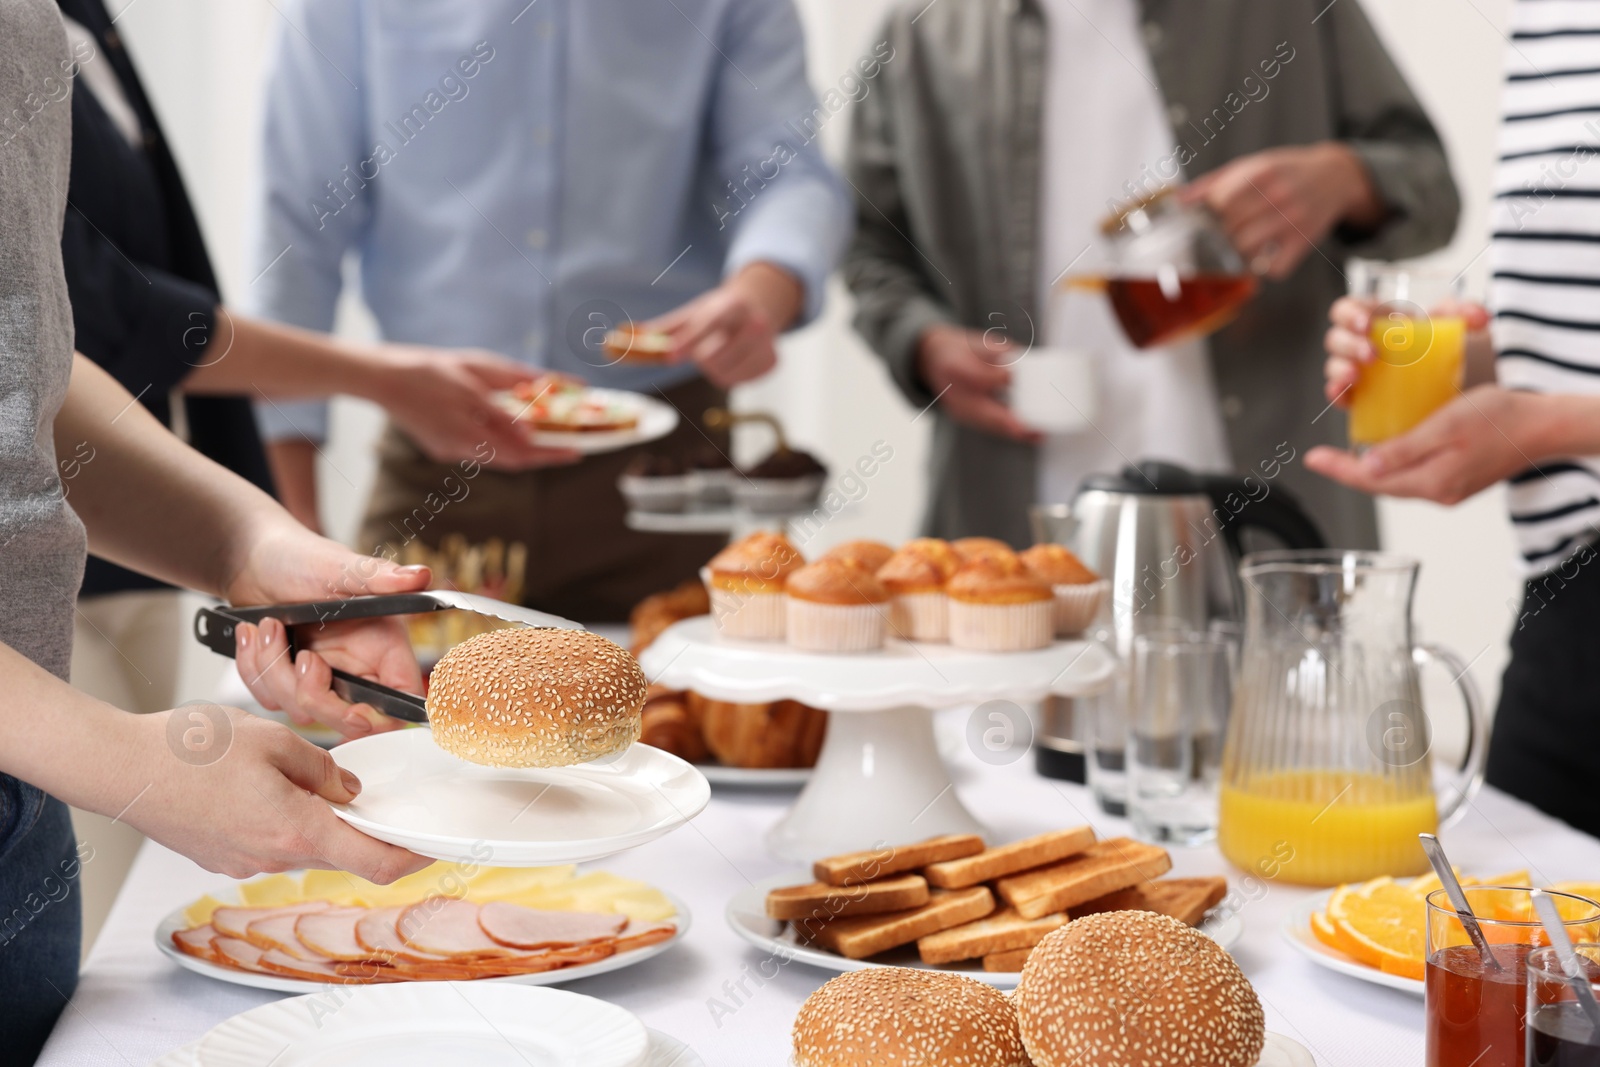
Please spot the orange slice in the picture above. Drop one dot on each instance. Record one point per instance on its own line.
(1323, 931)
(1380, 923)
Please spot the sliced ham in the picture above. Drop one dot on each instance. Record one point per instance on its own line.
(447, 927)
(197, 942)
(552, 959)
(275, 933)
(233, 921)
(640, 935)
(236, 952)
(516, 926)
(276, 962)
(332, 933)
(376, 933)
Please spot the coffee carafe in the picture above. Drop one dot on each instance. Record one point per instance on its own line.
(1169, 540)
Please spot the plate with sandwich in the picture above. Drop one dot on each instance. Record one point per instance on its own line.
(952, 903)
(562, 412)
(530, 757)
(299, 932)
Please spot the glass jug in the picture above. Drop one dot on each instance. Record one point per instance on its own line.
(1170, 272)
(1327, 771)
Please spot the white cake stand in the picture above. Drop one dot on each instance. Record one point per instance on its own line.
(879, 779)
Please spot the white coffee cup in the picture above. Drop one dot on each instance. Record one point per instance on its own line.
(1053, 389)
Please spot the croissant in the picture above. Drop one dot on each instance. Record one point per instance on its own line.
(669, 725)
(783, 734)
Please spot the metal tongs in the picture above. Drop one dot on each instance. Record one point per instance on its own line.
(216, 628)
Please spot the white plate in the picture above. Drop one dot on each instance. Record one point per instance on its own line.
(664, 1051)
(424, 1025)
(282, 983)
(417, 796)
(1296, 930)
(1281, 1051)
(747, 915)
(656, 419)
(755, 777)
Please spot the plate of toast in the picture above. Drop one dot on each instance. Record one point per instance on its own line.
(955, 903)
(563, 412)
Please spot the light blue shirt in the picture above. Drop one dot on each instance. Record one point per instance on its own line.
(513, 175)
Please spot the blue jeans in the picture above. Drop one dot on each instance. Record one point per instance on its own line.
(40, 918)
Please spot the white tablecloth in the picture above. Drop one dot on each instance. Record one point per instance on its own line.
(134, 1005)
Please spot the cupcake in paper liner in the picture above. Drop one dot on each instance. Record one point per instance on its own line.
(915, 576)
(654, 484)
(1078, 591)
(995, 611)
(745, 583)
(836, 606)
(785, 482)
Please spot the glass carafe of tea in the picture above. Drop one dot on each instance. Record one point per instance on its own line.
(1171, 273)
(1327, 771)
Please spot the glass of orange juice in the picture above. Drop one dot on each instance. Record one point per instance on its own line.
(1421, 346)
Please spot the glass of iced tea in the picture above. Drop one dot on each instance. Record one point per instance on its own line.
(1476, 1013)
(1420, 339)
(1560, 1033)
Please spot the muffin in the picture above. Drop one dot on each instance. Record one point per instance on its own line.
(995, 608)
(711, 477)
(1078, 590)
(869, 554)
(915, 576)
(900, 1017)
(971, 548)
(1136, 989)
(836, 606)
(786, 481)
(745, 582)
(654, 483)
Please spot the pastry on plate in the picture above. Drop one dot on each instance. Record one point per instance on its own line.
(1079, 591)
(787, 481)
(996, 609)
(525, 697)
(900, 1017)
(746, 580)
(836, 606)
(658, 611)
(915, 576)
(669, 724)
(783, 734)
(632, 343)
(711, 476)
(654, 483)
(558, 403)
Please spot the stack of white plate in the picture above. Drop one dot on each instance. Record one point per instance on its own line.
(428, 1024)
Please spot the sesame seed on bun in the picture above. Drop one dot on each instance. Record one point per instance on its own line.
(1136, 989)
(900, 1017)
(528, 697)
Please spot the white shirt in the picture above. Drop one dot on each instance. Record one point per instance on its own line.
(1545, 256)
(1104, 120)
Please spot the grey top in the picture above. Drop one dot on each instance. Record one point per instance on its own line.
(945, 161)
(42, 543)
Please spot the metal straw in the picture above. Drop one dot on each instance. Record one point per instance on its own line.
(1458, 900)
(1570, 963)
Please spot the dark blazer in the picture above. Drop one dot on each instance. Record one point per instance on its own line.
(144, 297)
(945, 159)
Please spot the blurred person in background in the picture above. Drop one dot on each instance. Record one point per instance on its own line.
(1530, 415)
(249, 796)
(522, 178)
(147, 307)
(1001, 135)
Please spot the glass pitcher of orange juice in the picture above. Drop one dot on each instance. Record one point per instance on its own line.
(1420, 346)
(1327, 771)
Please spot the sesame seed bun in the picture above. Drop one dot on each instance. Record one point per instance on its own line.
(899, 1017)
(1136, 989)
(535, 698)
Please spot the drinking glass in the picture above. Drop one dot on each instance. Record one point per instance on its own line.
(1559, 1033)
(1105, 717)
(1420, 340)
(1181, 686)
(1475, 1016)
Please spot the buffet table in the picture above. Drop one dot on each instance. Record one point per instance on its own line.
(134, 1005)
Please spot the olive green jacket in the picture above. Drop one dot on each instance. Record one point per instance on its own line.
(945, 159)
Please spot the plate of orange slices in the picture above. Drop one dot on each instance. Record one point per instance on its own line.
(1377, 931)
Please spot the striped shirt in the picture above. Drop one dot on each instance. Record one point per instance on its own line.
(1545, 256)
